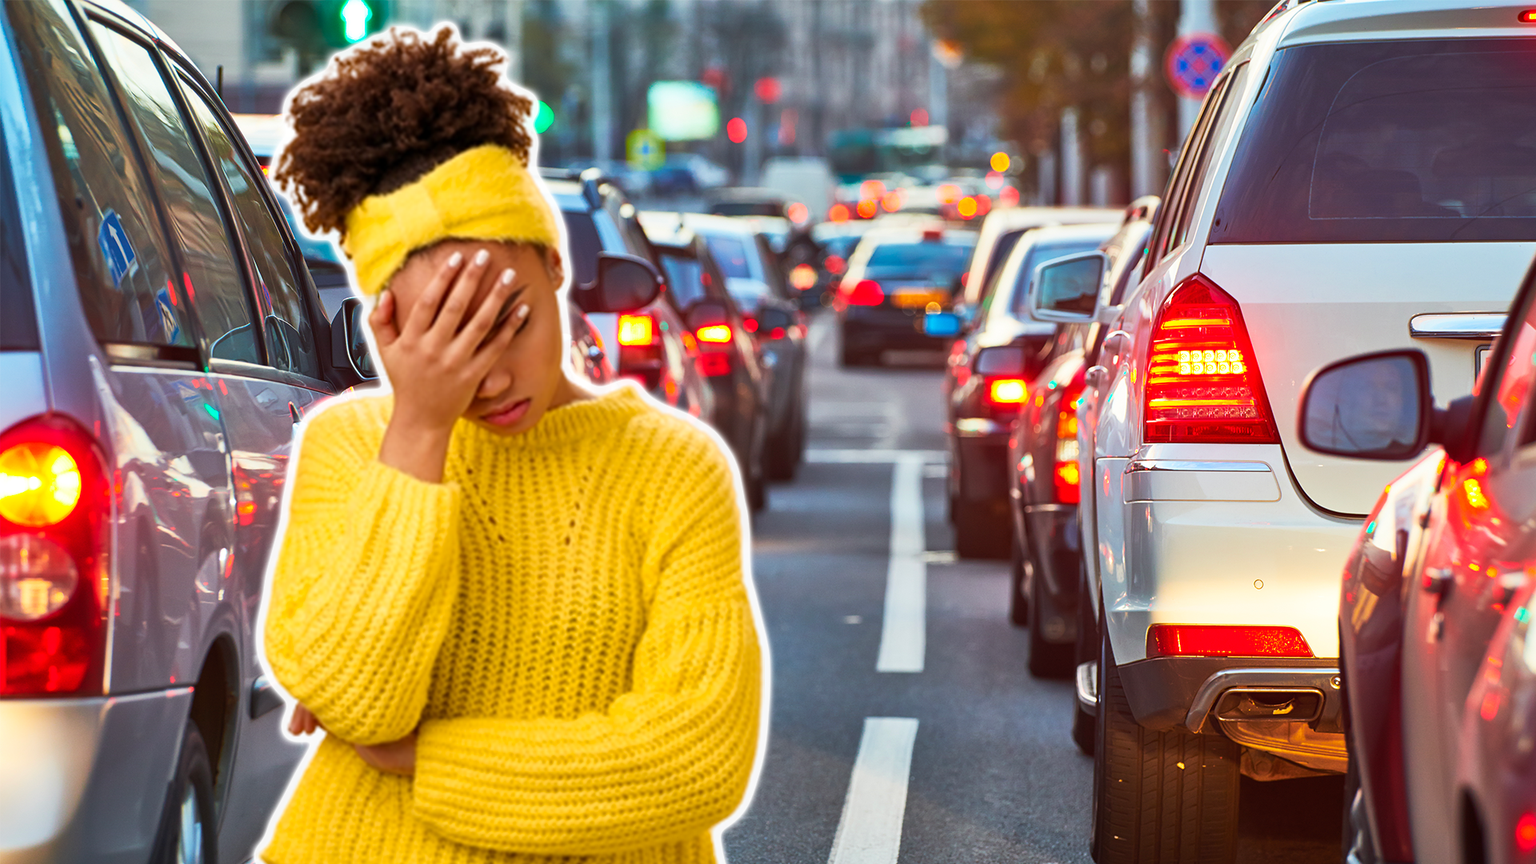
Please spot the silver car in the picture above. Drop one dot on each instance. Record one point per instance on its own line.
(159, 339)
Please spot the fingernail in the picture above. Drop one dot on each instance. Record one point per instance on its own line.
(522, 311)
(455, 259)
(481, 257)
(506, 276)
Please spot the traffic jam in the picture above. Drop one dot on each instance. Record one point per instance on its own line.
(1158, 489)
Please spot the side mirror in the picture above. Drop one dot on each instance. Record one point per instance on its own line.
(1003, 360)
(1065, 290)
(349, 345)
(1375, 406)
(705, 313)
(624, 283)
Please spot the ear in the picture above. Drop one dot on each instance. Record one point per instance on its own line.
(555, 265)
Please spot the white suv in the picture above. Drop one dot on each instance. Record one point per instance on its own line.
(1362, 177)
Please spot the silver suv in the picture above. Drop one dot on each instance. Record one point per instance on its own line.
(159, 339)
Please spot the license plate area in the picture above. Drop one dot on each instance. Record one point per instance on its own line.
(917, 298)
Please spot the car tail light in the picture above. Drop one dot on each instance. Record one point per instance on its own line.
(714, 334)
(1202, 640)
(1525, 826)
(713, 364)
(1529, 17)
(637, 330)
(1067, 477)
(866, 292)
(1202, 383)
(749, 324)
(53, 573)
(1006, 393)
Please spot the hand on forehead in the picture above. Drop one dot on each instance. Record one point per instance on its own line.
(528, 263)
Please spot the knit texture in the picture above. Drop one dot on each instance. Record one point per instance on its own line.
(563, 620)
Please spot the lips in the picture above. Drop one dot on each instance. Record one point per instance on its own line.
(510, 415)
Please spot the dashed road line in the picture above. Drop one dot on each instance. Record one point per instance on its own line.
(870, 829)
(904, 631)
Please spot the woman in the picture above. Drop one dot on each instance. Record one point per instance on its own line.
(517, 608)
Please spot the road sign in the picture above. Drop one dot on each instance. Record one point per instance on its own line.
(644, 149)
(1193, 62)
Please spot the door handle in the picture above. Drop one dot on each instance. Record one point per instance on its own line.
(295, 413)
(1096, 376)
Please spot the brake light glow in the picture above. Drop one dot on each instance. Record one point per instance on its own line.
(867, 208)
(866, 292)
(39, 484)
(1068, 477)
(835, 263)
(803, 277)
(715, 334)
(53, 578)
(839, 213)
(713, 364)
(636, 330)
(1006, 392)
(1525, 826)
(1204, 640)
(749, 324)
(1529, 17)
(1202, 385)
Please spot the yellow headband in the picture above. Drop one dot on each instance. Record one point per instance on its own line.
(484, 193)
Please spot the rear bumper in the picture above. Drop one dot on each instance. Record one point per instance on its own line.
(84, 780)
(874, 328)
(982, 454)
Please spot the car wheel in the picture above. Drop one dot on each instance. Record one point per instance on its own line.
(1159, 797)
(978, 532)
(1047, 659)
(783, 452)
(188, 833)
(1018, 604)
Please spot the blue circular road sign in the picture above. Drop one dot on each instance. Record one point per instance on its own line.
(1193, 62)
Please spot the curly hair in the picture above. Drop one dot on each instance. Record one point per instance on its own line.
(390, 110)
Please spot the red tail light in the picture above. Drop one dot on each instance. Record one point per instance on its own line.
(714, 334)
(1005, 392)
(749, 324)
(1201, 640)
(713, 364)
(1202, 383)
(1525, 826)
(637, 330)
(53, 574)
(866, 292)
(1067, 477)
(835, 263)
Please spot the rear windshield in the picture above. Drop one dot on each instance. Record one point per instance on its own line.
(1035, 256)
(731, 254)
(940, 262)
(1422, 141)
(747, 208)
(581, 235)
(686, 276)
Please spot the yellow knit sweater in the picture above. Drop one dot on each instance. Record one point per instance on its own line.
(563, 620)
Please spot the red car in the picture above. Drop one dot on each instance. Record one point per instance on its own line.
(1440, 725)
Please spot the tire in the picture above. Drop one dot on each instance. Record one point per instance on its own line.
(1085, 723)
(978, 532)
(1018, 604)
(1159, 797)
(1046, 659)
(188, 831)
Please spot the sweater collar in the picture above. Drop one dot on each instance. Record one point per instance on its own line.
(573, 420)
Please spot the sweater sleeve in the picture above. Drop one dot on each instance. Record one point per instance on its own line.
(668, 759)
(364, 585)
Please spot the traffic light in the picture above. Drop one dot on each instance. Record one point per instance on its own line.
(355, 17)
(315, 27)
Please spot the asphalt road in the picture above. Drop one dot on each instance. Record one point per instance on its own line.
(994, 776)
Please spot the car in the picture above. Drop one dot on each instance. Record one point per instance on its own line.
(773, 316)
(601, 222)
(989, 374)
(1446, 559)
(1044, 484)
(1350, 181)
(729, 356)
(898, 291)
(1000, 230)
(784, 220)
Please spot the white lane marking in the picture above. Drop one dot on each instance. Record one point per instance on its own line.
(904, 632)
(819, 335)
(829, 455)
(870, 830)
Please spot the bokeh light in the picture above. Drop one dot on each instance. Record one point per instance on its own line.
(1000, 161)
(544, 119)
(736, 130)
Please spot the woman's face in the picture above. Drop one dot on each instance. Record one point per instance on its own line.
(527, 380)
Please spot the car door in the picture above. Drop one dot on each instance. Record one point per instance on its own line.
(1474, 559)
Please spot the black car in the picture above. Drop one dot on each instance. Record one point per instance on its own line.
(990, 375)
(1043, 476)
(728, 355)
(899, 290)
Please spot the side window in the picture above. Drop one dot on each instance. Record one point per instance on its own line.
(122, 261)
(212, 278)
(290, 340)
(1178, 184)
(1512, 384)
(773, 273)
(1221, 127)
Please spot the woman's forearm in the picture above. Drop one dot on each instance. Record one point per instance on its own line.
(418, 449)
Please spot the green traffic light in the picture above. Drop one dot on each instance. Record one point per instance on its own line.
(544, 119)
(355, 15)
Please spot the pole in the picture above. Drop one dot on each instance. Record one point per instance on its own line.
(602, 83)
(1195, 16)
(1071, 159)
(1144, 180)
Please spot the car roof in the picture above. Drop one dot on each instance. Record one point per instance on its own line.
(1063, 233)
(1370, 20)
(957, 236)
(709, 223)
(1010, 218)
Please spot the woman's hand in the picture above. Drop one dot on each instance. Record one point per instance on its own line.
(396, 757)
(436, 359)
(303, 721)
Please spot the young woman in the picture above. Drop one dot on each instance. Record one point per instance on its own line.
(517, 608)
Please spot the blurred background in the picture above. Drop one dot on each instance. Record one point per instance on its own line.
(1035, 102)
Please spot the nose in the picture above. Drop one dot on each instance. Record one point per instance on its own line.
(494, 385)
